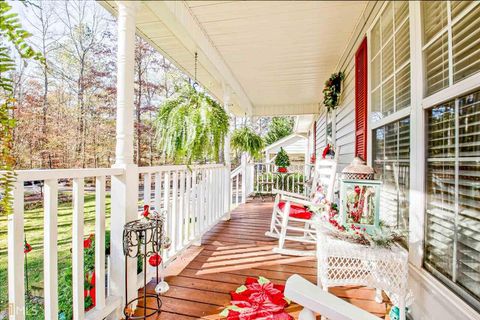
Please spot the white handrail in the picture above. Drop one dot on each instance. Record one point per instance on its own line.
(236, 171)
(315, 300)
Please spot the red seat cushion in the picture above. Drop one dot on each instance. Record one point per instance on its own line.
(296, 210)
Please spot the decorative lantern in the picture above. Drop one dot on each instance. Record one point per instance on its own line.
(360, 203)
(358, 170)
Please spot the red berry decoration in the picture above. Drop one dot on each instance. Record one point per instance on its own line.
(27, 247)
(357, 189)
(155, 260)
(87, 243)
(146, 211)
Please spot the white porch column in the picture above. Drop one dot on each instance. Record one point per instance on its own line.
(226, 155)
(124, 187)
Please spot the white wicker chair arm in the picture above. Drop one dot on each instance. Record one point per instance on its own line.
(313, 298)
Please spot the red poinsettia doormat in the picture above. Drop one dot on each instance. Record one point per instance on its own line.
(258, 299)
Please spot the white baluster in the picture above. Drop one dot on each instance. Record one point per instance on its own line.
(188, 208)
(202, 201)
(216, 197)
(174, 222)
(100, 242)
(16, 276)
(181, 223)
(237, 193)
(196, 206)
(77, 249)
(158, 193)
(208, 199)
(147, 189)
(50, 262)
(166, 204)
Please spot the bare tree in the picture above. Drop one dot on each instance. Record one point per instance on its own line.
(43, 19)
(85, 28)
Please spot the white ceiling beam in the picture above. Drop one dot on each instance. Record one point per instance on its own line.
(177, 16)
(286, 109)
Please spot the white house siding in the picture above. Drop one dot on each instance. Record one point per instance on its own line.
(321, 125)
(345, 115)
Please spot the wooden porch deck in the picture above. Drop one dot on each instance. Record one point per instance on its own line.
(229, 253)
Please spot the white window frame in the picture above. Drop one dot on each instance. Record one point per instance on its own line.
(452, 89)
(420, 103)
(397, 114)
(456, 162)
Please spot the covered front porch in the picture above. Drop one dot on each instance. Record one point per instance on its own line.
(262, 58)
(201, 282)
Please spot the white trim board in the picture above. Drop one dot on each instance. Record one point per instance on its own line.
(433, 300)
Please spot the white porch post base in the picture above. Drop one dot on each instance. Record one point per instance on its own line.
(124, 209)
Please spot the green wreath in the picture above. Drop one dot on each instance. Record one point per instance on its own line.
(332, 90)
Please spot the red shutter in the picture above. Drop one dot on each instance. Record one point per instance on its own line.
(361, 101)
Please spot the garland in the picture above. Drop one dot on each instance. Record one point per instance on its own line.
(383, 237)
(332, 90)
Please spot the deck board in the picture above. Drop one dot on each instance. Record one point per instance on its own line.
(234, 250)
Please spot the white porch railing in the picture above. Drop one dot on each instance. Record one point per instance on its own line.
(194, 199)
(236, 179)
(266, 177)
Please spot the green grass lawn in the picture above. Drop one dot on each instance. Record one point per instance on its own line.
(34, 220)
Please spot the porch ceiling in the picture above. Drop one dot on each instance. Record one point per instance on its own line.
(275, 55)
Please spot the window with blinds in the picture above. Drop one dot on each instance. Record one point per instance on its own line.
(391, 161)
(390, 61)
(452, 226)
(451, 42)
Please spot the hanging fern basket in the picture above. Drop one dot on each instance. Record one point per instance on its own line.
(332, 91)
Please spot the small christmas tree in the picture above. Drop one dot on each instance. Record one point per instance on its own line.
(282, 161)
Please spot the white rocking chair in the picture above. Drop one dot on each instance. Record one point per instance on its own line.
(290, 214)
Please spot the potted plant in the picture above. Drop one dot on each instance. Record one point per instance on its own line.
(282, 161)
(247, 140)
(191, 126)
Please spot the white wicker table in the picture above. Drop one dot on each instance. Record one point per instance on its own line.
(344, 263)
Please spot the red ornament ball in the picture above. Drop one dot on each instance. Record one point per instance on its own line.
(27, 247)
(155, 260)
(146, 210)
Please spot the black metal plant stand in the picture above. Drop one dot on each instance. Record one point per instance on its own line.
(142, 238)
